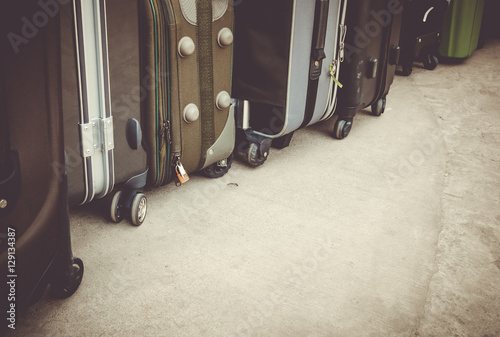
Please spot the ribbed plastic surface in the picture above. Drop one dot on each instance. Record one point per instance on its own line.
(188, 8)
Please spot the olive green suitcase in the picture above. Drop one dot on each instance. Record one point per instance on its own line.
(186, 53)
(461, 28)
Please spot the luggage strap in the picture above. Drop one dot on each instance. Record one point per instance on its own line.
(317, 57)
(205, 75)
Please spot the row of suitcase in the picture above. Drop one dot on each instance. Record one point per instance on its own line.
(132, 118)
(159, 74)
(145, 92)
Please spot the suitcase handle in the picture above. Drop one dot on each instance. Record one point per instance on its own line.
(319, 38)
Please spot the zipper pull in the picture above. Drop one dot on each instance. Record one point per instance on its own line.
(333, 70)
(182, 175)
(343, 33)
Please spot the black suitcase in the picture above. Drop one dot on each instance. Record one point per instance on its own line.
(35, 245)
(371, 55)
(421, 34)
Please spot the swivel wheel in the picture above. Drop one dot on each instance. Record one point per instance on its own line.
(66, 287)
(378, 107)
(219, 169)
(430, 62)
(406, 70)
(256, 156)
(342, 128)
(138, 209)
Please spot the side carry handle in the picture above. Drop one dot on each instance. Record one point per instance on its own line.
(319, 38)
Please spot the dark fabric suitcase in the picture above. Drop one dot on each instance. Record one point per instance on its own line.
(287, 60)
(371, 55)
(186, 52)
(102, 92)
(490, 27)
(421, 34)
(35, 245)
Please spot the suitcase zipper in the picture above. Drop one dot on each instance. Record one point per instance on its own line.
(343, 33)
(166, 132)
(164, 156)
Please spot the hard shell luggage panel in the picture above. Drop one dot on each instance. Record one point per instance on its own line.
(360, 91)
(126, 94)
(395, 32)
(185, 74)
(298, 73)
(285, 31)
(331, 50)
(88, 100)
(95, 103)
(302, 26)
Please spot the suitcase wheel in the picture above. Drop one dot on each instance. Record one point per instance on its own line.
(430, 62)
(219, 169)
(66, 287)
(257, 156)
(406, 70)
(342, 128)
(138, 209)
(378, 107)
(116, 211)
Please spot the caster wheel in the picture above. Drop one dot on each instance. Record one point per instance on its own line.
(342, 128)
(430, 62)
(138, 209)
(378, 107)
(406, 70)
(116, 211)
(254, 155)
(218, 169)
(66, 288)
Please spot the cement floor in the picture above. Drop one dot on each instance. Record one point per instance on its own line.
(393, 231)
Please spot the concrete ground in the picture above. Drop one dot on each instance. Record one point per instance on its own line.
(393, 231)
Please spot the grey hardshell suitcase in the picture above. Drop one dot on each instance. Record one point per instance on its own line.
(101, 103)
(287, 61)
